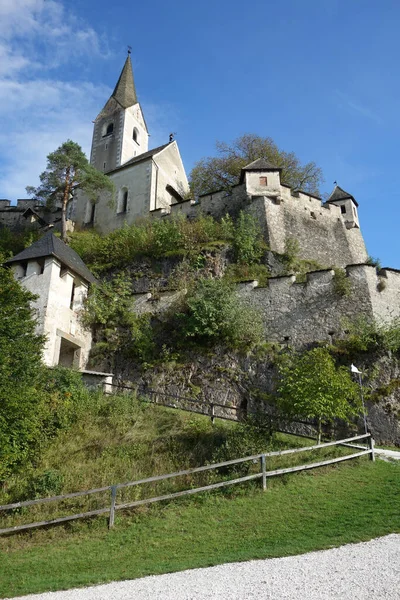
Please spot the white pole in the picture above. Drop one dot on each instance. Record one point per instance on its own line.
(362, 401)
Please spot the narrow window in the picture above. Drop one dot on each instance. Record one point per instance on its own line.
(92, 213)
(263, 181)
(343, 209)
(104, 166)
(71, 304)
(135, 135)
(110, 128)
(125, 201)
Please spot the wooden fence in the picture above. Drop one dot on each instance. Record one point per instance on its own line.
(215, 410)
(263, 474)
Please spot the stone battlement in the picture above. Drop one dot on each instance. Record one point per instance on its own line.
(302, 312)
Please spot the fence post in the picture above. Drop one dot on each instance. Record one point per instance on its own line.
(212, 413)
(112, 508)
(263, 470)
(371, 443)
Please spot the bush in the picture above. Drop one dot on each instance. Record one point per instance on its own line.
(364, 335)
(66, 399)
(118, 329)
(248, 244)
(213, 312)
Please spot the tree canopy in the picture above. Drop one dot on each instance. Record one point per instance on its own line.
(20, 370)
(312, 386)
(222, 171)
(67, 169)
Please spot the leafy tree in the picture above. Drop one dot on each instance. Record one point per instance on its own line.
(67, 169)
(222, 171)
(312, 386)
(20, 371)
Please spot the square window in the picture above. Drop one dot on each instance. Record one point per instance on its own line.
(263, 181)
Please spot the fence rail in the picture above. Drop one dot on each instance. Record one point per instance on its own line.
(263, 475)
(210, 407)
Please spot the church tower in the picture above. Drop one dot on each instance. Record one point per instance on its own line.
(120, 131)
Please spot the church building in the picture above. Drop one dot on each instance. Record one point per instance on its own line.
(145, 180)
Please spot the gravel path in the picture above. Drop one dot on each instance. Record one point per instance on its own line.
(370, 570)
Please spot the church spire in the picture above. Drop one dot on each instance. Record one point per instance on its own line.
(125, 91)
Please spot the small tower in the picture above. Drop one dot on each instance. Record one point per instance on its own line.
(348, 206)
(120, 131)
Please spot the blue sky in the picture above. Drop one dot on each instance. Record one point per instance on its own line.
(321, 77)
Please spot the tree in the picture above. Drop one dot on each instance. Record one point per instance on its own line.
(67, 169)
(20, 374)
(222, 172)
(310, 385)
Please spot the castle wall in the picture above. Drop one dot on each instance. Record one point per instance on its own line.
(300, 313)
(319, 230)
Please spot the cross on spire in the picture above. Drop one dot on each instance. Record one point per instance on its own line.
(129, 49)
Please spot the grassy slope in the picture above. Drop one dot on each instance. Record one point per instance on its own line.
(303, 512)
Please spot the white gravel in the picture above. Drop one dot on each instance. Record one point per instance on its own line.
(370, 570)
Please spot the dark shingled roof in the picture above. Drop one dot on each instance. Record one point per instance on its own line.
(50, 245)
(339, 194)
(138, 159)
(125, 91)
(261, 164)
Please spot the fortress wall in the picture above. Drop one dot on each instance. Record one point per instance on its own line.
(319, 230)
(385, 295)
(302, 313)
(299, 313)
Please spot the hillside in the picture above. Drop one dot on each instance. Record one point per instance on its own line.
(123, 439)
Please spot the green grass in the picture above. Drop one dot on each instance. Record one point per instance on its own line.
(309, 511)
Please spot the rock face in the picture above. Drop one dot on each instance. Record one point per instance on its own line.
(241, 385)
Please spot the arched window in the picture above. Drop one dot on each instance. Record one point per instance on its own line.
(122, 206)
(135, 135)
(108, 129)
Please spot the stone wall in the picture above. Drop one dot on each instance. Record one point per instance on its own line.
(300, 313)
(321, 232)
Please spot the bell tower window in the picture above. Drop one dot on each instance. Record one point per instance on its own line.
(108, 129)
(135, 135)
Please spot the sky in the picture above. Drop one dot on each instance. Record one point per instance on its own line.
(320, 77)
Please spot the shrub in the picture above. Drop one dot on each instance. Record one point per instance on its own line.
(248, 243)
(213, 312)
(364, 335)
(341, 283)
(118, 329)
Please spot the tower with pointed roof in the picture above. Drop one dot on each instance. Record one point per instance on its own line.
(120, 131)
(348, 206)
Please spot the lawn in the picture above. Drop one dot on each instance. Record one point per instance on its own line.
(298, 513)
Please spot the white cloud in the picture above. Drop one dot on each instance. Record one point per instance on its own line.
(39, 109)
(356, 107)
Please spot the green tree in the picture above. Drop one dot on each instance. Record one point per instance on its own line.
(67, 169)
(310, 385)
(20, 373)
(222, 171)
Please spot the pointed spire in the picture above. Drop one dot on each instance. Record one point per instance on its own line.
(125, 91)
(340, 194)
